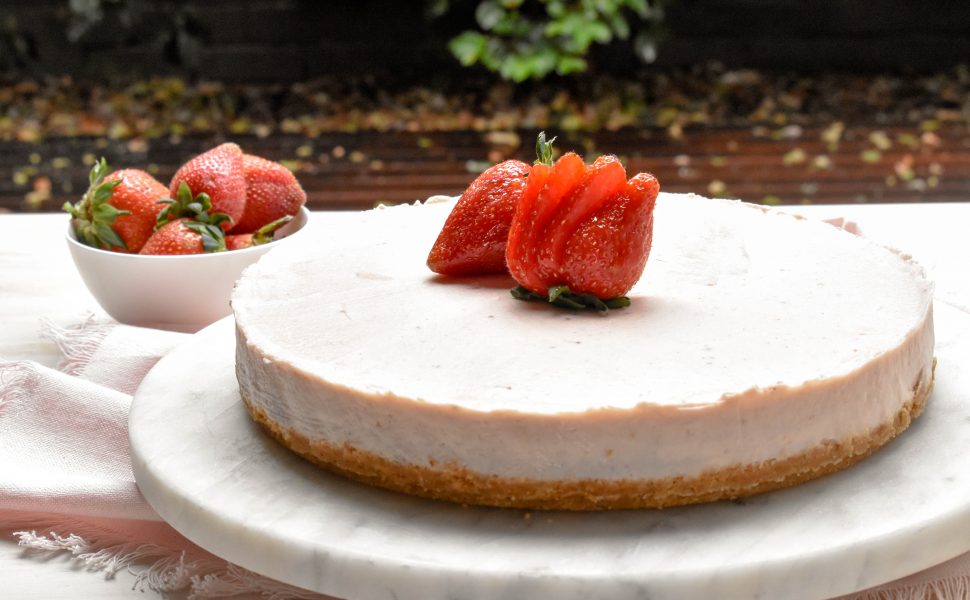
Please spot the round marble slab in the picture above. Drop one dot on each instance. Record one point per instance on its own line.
(213, 474)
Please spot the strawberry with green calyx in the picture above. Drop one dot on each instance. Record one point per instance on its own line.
(581, 234)
(118, 211)
(263, 235)
(185, 236)
(186, 226)
(220, 174)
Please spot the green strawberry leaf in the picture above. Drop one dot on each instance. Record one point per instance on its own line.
(109, 236)
(216, 218)
(522, 293)
(205, 200)
(164, 214)
(618, 302)
(86, 234)
(213, 238)
(184, 193)
(107, 213)
(103, 192)
(563, 297)
(98, 172)
(71, 209)
(186, 205)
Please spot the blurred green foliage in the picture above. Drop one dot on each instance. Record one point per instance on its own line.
(530, 39)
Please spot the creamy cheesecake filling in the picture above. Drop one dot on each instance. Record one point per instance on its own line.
(753, 336)
(458, 484)
(645, 442)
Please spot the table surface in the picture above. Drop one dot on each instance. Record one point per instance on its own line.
(38, 280)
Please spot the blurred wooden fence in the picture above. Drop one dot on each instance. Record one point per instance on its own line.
(360, 170)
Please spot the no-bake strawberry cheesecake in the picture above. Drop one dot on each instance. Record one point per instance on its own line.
(758, 350)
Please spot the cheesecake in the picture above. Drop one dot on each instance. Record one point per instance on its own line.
(759, 350)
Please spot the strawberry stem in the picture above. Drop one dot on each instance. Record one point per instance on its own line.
(266, 233)
(544, 149)
(563, 297)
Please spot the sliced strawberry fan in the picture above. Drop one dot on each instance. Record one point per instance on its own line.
(573, 235)
(581, 234)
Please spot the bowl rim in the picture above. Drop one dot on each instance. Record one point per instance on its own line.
(73, 242)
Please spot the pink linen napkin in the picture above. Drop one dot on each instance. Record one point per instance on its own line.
(66, 483)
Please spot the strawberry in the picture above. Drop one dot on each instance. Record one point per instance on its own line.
(581, 234)
(240, 241)
(271, 192)
(199, 233)
(263, 235)
(475, 234)
(118, 211)
(185, 236)
(220, 174)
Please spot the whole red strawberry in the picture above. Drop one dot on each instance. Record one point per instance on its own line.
(118, 211)
(185, 236)
(240, 241)
(476, 232)
(200, 231)
(272, 192)
(581, 234)
(220, 174)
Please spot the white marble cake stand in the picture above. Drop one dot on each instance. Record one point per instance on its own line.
(220, 481)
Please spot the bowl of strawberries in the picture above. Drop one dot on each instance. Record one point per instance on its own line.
(168, 256)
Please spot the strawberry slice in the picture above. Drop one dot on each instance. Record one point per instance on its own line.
(581, 235)
(606, 253)
(220, 174)
(519, 255)
(549, 185)
(603, 179)
(474, 236)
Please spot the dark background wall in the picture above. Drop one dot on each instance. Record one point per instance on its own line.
(288, 40)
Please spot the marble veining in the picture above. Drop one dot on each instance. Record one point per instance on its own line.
(208, 470)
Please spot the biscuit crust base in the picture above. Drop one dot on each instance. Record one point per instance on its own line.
(457, 484)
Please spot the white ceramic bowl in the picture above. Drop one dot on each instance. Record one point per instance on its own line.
(180, 293)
